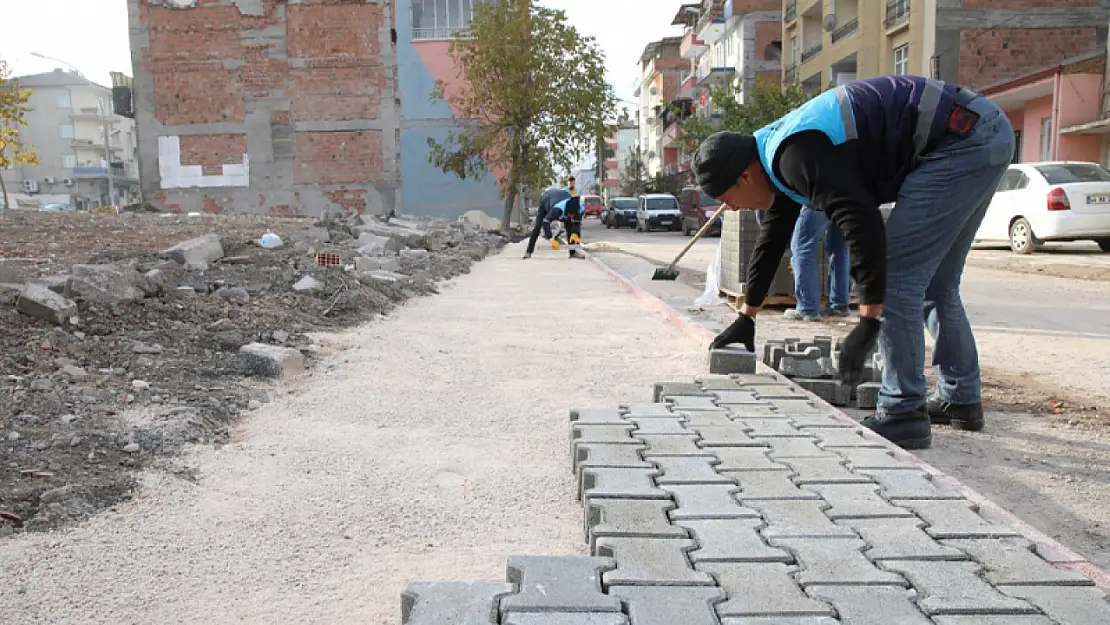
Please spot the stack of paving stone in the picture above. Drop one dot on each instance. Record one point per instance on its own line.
(813, 366)
(733, 500)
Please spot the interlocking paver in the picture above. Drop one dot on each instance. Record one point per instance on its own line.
(836, 438)
(872, 605)
(670, 606)
(762, 411)
(798, 519)
(823, 471)
(835, 561)
(611, 434)
(550, 618)
(1025, 619)
(824, 421)
(775, 392)
(701, 418)
(857, 501)
(734, 435)
(798, 406)
(743, 379)
(719, 383)
(955, 588)
(673, 445)
(772, 428)
(909, 484)
(650, 562)
(693, 403)
(464, 603)
(1067, 605)
(629, 518)
(732, 359)
(597, 416)
(901, 539)
(746, 459)
(708, 501)
(672, 389)
(780, 620)
(593, 455)
(558, 584)
(732, 540)
(688, 470)
(782, 448)
(762, 589)
(756, 485)
(878, 458)
(955, 519)
(737, 397)
(620, 484)
(646, 409)
(656, 426)
(1011, 561)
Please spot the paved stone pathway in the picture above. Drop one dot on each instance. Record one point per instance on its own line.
(735, 500)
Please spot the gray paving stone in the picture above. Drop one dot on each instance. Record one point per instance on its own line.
(629, 518)
(857, 501)
(738, 397)
(909, 484)
(783, 448)
(688, 470)
(823, 471)
(773, 485)
(597, 416)
(550, 618)
(831, 390)
(762, 411)
(825, 344)
(780, 620)
(773, 428)
(649, 562)
(836, 562)
(799, 406)
(775, 391)
(702, 418)
(844, 438)
(867, 394)
(670, 606)
(823, 421)
(798, 519)
(901, 539)
(955, 588)
(718, 383)
(731, 359)
(1066, 605)
(611, 434)
(955, 519)
(734, 435)
(673, 445)
(662, 389)
(620, 484)
(747, 459)
(594, 455)
(872, 605)
(749, 379)
(693, 403)
(648, 409)
(657, 426)
(1012, 561)
(461, 603)
(558, 584)
(708, 501)
(1027, 619)
(732, 540)
(762, 589)
(877, 458)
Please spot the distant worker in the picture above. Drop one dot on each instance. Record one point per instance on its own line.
(548, 200)
(569, 213)
(571, 188)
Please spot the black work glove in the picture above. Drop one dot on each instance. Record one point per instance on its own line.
(741, 331)
(855, 348)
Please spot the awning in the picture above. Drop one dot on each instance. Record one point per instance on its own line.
(1098, 127)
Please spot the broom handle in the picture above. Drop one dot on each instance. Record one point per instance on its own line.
(704, 229)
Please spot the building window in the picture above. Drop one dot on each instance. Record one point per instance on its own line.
(64, 101)
(65, 131)
(1046, 138)
(441, 19)
(902, 60)
(1017, 147)
(69, 161)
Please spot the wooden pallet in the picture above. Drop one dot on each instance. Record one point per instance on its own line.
(736, 300)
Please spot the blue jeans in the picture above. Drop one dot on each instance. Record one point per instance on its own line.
(811, 226)
(929, 234)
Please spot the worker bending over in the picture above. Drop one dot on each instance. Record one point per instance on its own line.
(549, 199)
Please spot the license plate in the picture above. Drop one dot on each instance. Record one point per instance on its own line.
(666, 221)
(1098, 199)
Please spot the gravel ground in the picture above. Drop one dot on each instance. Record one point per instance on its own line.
(427, 446)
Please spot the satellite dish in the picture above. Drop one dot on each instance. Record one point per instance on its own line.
(829, 24)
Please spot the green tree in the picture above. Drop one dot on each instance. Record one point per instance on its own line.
(536, 97)
(765, 104)
(13, 108)
(634, 178)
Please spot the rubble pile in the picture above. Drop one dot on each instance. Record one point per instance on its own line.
(124, 337)
(813, 366)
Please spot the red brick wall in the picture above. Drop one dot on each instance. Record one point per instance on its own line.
(337, 157)
(994, 55)
(198, 94)
(333, 31)
(766, 33)
(211, 152)
(330, 94)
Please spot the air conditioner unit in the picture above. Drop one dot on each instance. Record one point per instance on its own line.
(48, 180)
(67, 182)
(31, 186)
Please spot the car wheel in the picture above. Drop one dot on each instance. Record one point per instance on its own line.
(1022, 239)
(1103, 244)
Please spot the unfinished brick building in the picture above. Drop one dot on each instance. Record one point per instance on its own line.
(275, 106)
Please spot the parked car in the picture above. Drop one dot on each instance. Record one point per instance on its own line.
(620, 211)
(1049, 201)
(591, 206)
(56, 208)
(658, 210)
(697, 208)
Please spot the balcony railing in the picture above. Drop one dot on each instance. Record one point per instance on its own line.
(897, 12)
(848, 28)
(811, 52)
(790, 75)
(433, 34)
(790, 13)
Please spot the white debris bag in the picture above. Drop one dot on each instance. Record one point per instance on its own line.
(270, 241)
(712, 294)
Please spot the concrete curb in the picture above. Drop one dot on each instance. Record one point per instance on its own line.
(1048, 548)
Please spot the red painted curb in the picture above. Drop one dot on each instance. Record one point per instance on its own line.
(1048, 548)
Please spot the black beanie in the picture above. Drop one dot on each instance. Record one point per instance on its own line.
(721, 159)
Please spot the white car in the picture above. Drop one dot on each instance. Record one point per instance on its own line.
(1049, 201)
(658, 210)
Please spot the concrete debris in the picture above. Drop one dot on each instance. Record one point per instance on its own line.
(56, 283)
(103, 284)
(234, 294)
(311, 235)
(377, 263)
(388, 276)
(370, 244)
(479, 219)
(36, 300)
(308, 284)
(273, 361)
(415, 255)
(197, 253)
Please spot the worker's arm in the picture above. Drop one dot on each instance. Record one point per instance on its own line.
(774, 238)
(829, 176)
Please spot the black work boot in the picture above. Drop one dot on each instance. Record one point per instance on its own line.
(908, 430)
(961, 416)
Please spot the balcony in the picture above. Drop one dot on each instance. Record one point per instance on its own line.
(708, 74)
(689, 85)
(711, 25)
(86, 112)
(848, 28)
(811, 52)
(897, 14)
(435, 34)
(692, 47)
(790, 12)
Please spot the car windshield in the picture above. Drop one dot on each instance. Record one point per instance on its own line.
(593, 200)
(661, 204)
(1073, 172)
(624, 204)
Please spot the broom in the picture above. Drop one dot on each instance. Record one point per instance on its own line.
(669, 272)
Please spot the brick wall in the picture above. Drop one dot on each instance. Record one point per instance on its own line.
(337, 157)
(212, 152)
(990, 56)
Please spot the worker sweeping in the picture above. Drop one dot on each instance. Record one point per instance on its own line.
(548, 200)
(938, 152)
(568, 212)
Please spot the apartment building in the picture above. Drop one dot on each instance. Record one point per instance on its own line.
(623, 143)
(971, 42)
(66, 125)
(661, 70)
